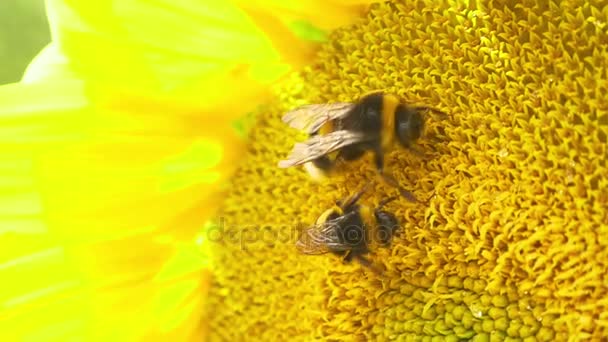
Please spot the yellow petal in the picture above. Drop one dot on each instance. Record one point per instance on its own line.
(49, 64)
(324, 14)
(181, 51)
(100, 215)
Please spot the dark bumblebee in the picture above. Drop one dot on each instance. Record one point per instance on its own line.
(345, 131)
(344, 230)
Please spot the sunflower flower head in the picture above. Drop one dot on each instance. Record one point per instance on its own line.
(511, 243)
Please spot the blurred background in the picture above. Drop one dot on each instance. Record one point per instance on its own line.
(24, 31)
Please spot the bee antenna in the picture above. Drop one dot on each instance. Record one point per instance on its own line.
(386, 201)
(432, 109)
(393, 182)
(428, 200)
(365, 187)
(354, 198)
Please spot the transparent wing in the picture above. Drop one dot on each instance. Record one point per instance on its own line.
(321, 238)
(320, 145)
(312, 242)
(311, 117)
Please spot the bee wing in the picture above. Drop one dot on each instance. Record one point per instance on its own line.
(320, 145)
(312, 242)
(321, 238)
(310, 118)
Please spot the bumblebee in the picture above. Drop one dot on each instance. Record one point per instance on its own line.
(346, 131)
(344, 230)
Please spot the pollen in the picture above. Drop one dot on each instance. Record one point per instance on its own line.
(508, 237)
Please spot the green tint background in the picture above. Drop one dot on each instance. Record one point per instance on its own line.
(23, 32)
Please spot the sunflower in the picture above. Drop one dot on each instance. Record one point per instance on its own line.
(116, 147)
(117, 158)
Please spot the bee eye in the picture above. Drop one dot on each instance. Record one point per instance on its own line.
(415, 124)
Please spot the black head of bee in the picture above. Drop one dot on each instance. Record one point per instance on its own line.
(387, 225)
(409, 124)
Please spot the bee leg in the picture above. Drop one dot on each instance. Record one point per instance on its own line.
(385, 202)
(379, 158)
(417, 151)
(352, 152)
(367, 263)
(379, 161)
(364, 261)
(323, 163)
(347, 258)
(428, 200)
(393, 182)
